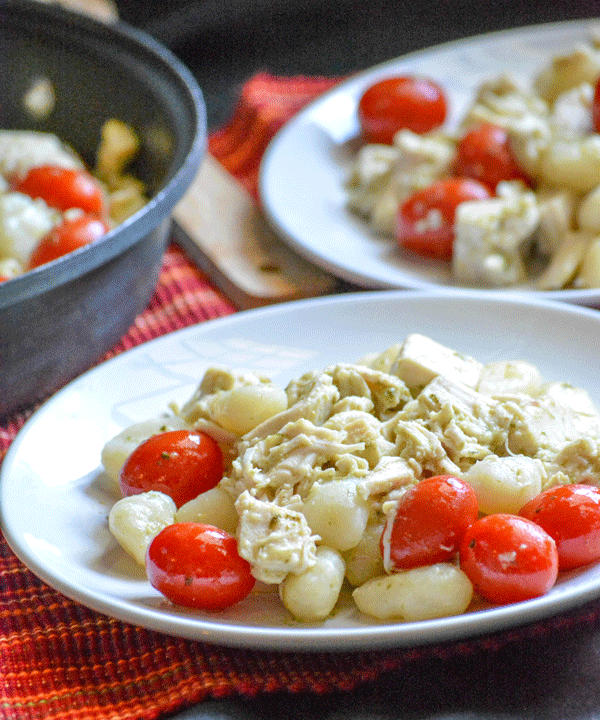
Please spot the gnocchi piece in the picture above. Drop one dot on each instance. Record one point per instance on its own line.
(505, 484)
(126, 199)
(116, 451)
(364, 560)
(135, 520)
(557, 212)
(565, 262)
(312, 595)
(119, 144)
(568, 71)
(213, 507)
(572, 163)
(422, 593)
(243, 408)
(337, 513)
(588, 211)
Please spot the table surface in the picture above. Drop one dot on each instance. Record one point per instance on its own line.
(554, 676)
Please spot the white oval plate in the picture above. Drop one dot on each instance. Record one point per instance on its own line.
(304, 168)
(54, 505)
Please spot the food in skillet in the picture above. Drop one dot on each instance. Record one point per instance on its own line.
(51, 204)
(419, 480)
(509, 198)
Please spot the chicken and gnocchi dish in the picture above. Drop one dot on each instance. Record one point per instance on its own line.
(51, 204)
(418, 480)
(509, 198)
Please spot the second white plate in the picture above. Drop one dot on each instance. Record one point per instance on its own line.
(305, 166)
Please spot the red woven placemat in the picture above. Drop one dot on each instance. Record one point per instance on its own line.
(59, 660)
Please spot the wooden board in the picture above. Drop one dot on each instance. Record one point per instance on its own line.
(104, 10)
(219, 225)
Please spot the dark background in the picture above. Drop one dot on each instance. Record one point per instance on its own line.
(225, 41)
(552, 675)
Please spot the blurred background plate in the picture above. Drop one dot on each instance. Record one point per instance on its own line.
(307, 163)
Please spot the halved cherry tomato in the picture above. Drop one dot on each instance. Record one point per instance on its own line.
(484, 154)
(198, 566)
(70, 235)
(508, 558)
(396, 103)
(425, 220)
(571, 515)
(596, 107)
(428, 524)
(180, 463)
(64, 188)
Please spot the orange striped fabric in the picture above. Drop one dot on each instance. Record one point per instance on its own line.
(61, 661)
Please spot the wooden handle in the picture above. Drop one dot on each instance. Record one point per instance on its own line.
(104, 10)
(229, 238)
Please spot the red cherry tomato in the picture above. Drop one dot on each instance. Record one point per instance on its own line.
(198, 566)
(571, 515)
(67, 237)
(396, 103)
(180, 463)
(508, 558)
(63, 188)
(596, 107)
(428, 523)
(425, 220)
(484, 154)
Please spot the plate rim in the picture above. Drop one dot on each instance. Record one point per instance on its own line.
(586, 297)
(294, 638)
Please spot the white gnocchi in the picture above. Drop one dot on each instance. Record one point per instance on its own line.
(136, 520)
(422, 593)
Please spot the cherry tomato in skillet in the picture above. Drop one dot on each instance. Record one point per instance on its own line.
(596, 107)
(571, 515)
(70, 235)
(425, 220)
(198, 566)
(64, 188)
(396, 103)
(484, 154)
(179, 463)
(428, 524)
(508, 558)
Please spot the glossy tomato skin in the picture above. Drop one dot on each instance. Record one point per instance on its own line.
(484, 154)
(198, 566)
(64, 188)
(571, 515)
(403, 102)
(428, 524)
(596, 107)
(508, 558)
(70, 235)
(179, 463)
(425, 220)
